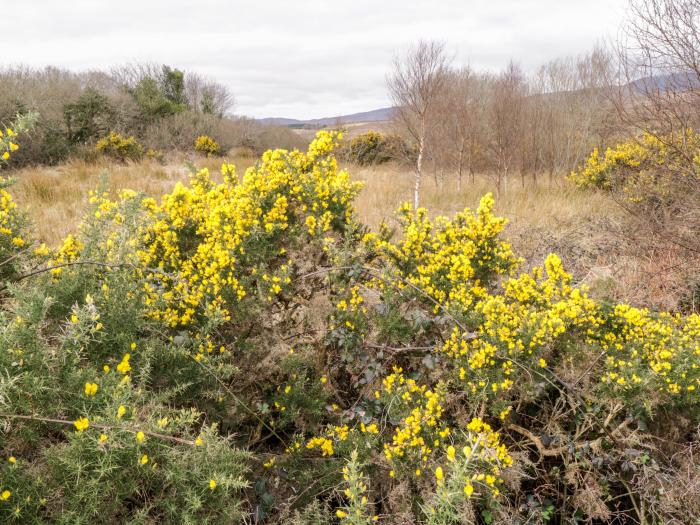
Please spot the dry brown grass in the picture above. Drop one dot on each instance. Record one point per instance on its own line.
(56, 197)
(557, 206)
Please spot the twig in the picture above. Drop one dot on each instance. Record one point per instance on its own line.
(164, 437)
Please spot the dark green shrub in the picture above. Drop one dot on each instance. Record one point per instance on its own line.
(372, 148)
(88, 118)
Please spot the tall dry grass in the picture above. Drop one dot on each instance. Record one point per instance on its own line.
(557, 206)
(56, 197)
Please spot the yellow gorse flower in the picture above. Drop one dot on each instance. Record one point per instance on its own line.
(81, 424)
(124, 367)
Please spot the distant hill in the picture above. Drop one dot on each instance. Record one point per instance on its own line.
(376, 115)
(673, 81)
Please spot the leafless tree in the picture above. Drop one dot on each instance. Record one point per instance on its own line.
(414, 83)
(659, 57)
(463, 116)
(207, 96)
(505, 114)
(658, 93)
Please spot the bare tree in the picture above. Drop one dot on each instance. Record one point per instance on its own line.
(659, 56)
(658, 93)
(571, 98)
(207, 96)
(414, 84)
(462, 113)
(505, 115)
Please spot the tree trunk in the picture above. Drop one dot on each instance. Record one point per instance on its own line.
(419, 171)
(459, 170)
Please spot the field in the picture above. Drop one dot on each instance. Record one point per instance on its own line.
(57, 197)
(474, 300)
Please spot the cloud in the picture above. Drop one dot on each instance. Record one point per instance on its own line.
(300, 59)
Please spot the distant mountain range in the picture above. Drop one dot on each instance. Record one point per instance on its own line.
(674, 81)
(376, 115)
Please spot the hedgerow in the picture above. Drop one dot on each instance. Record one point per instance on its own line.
(245, 350)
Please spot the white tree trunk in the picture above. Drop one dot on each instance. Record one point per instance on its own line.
(419, 169)
(416, 188)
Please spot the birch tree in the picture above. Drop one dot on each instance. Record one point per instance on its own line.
(414, 84)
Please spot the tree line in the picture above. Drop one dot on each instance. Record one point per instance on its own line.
(164, 107)
(504, 124)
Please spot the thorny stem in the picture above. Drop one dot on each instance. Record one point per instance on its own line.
(164, 437)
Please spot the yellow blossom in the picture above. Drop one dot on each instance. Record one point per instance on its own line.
(81, 424)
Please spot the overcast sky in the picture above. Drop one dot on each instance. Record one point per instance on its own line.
(298, 58)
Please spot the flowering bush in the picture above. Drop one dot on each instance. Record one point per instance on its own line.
(119, 147)
(655, 178)
(239, 350)
(373, 148)
(13, 236)
(641, 160)
(206, 144)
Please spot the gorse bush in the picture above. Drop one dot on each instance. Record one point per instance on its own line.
(119, 147)
(373, 148)
(206, 144)
(13, 237)
(655, 178)
(246, 351)
(640, 161)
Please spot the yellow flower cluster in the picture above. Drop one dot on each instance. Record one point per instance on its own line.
(206, 144)
(350, 313)
(661, 351)
(531, 313)
(422, 428)
(449, 260)
(117, 146)
(204, 240)
(325, 443)
(633, 157)
(7, 143)
(68, 252)
(11, 221)
(12, 238)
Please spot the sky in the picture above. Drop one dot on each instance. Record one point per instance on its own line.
(303, 58)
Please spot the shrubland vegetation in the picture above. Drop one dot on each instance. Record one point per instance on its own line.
(247, 351)
(163, 108)
(245, 348)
